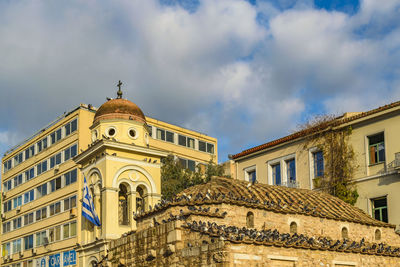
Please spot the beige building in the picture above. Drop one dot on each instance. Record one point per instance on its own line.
(293, 162)
(228, 222)
(119, 151)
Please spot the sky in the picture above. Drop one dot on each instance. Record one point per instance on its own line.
(246, 72)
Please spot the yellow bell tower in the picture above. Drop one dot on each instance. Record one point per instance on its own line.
(122, 172)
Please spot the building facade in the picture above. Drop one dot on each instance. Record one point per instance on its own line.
(118, 150)
(294, 162)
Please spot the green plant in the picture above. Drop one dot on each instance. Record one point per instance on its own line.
(175, 178)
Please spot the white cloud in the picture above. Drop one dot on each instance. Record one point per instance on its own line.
(216, 69)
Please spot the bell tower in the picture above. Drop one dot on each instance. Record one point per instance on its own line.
(122, 172)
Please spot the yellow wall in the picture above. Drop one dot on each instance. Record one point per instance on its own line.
(372, 181)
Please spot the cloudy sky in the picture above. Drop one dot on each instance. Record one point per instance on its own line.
(243, 71)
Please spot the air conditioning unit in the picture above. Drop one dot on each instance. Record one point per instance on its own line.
(72, 213)
(57, 168)
(45, 241)
(18, 208)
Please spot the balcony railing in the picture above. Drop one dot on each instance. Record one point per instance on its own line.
(395, 164)
(291, 184)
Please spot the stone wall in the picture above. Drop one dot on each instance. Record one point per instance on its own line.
(264, 219)
(165, 245)
(171, 244)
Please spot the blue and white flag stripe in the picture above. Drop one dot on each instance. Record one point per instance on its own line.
(88, 210)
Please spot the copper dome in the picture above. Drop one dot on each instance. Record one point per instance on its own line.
(119, 109)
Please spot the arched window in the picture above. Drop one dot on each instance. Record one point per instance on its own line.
(345, 233)
(293, 227)
(378, 234)
(140, 201)
(123, 217)
(250, 220)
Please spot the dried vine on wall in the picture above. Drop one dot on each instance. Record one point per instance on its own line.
(339, 157)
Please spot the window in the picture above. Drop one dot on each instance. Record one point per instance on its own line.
(376, 148)
(7, 165)
(41, 167)
(318, 158)
(206, 147)
(28, 218)
(379, 209)
(378, 234)
(42, 144)
(17, 180)
(70, 152)
(41, 214)
(276, 174)
(17, 223)
(293, 227)
(250, 219)
(17, 202)
(210, 148)
(40, 238)
(160, 134)
(29, 152)
(41, 190)
(6, 227)
(6, 248)
(188, 164)
(55, 184)
(345, 233)
(16, 245)
(250, 174)
(28, 242)
(30, 174)
(18, 159)
(55, 208)
(291, 171)
(182, 140)
(70, 177)
(7, 185)
(74, 125)
(170, 137)
(29, 196)
(55, 234)
(69, 203)
(202, 146)
(7, 206)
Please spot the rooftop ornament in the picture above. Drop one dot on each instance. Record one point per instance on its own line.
(119, 92)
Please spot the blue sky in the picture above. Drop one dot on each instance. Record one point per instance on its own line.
(245, 72)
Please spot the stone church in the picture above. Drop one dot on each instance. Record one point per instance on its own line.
(227, 222)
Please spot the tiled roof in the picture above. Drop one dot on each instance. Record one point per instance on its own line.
(272, 237)
(333, 123)
(270, 197)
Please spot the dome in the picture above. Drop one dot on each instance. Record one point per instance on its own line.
(119, 109)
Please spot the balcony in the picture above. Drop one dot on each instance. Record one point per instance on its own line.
(395, 164)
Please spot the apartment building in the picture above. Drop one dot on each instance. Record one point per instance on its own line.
(292, 161)
(118, 150)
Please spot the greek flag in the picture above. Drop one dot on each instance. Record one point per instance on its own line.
(88, 210)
